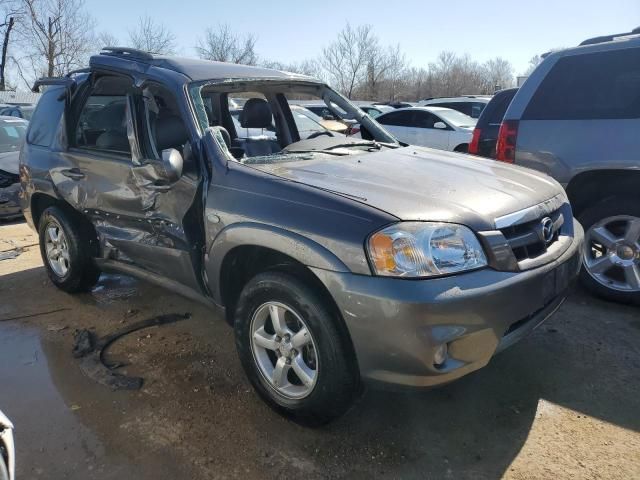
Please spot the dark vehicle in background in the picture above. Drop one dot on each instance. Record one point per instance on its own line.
(485, 135)
(337, 260)
(19, 111)
(12, 133)
(471, 105)
(577, 118)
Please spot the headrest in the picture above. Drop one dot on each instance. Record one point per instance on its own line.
(170, 132)
(111, 117)
(256, 113)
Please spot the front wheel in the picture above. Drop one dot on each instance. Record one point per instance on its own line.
(612, 249)
(292, 349)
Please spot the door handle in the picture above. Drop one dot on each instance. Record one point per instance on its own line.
(73, 173)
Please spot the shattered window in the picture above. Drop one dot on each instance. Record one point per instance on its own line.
(268, 121)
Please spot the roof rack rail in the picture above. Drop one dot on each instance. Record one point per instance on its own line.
(609, 38)
(132, 53)
(77, 72)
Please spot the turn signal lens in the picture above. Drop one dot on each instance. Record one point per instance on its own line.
(381, 247)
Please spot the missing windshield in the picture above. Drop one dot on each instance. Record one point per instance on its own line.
(268, 121)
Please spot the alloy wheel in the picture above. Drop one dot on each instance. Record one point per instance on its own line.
(612, 253)
(57, 249)
(284, 350)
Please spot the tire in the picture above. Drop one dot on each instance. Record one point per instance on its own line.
(75, 269)
(463, 148)
(609, 222)
(336, 382)
(4, 473)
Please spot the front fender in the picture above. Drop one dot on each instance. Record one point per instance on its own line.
(296, 246)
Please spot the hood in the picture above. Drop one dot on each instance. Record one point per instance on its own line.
(9, 162)
(415, 183)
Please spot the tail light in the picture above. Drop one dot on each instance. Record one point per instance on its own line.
(475, 141)
(507, 137)
(353, 130)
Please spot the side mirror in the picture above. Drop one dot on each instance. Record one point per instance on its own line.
(172, 163)
(440, 125)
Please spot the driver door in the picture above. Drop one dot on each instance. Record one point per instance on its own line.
(116, 138)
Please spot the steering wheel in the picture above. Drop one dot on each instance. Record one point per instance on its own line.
(321, 132)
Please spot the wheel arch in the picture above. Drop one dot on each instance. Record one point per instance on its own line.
(243, 262)
(285, 243)
(593, 186)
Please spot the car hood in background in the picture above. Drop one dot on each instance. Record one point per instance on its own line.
(415, 183)
(9, 162)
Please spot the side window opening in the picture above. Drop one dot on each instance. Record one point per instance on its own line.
(164, 126)
(102, 122)
(46, 117)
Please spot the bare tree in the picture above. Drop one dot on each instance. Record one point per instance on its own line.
(106, 39)
(345, 60)
(533, 64)
(9, 16)
(498, 74)
(222, 44)
(56, 37)
(152, 37)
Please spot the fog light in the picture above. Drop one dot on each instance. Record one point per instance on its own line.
(440, 355)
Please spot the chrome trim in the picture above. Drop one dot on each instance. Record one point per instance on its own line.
(530, 213)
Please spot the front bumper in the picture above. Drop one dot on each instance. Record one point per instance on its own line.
(10, 202)
(396, 325)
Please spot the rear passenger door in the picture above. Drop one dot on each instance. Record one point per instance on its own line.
(400, 125)
(429, 136)
(116, 131)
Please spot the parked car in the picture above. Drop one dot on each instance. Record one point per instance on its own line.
(433, 127)
(338, 261)
(310, 123)
(383, 108)
(471, 105)
(20, 111)
(396, 105)
(7, 449)
(577, 118)
(485, 135)
(307, 123)
(12, 132)
(371, 110)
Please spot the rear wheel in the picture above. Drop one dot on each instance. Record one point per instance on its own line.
(612, 249)
(65, 247)
(4, 473)
(292, 351)
(464, 148)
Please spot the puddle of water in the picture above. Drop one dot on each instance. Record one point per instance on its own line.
(112, 288)
(69, 431)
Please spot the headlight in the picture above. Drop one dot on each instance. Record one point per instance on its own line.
(424, 249)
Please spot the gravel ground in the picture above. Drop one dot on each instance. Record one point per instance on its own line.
(563, 403)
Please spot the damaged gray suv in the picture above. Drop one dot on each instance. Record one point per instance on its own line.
(338, 261)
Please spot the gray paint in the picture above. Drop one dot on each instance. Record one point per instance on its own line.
(320, 213)
(564, 149)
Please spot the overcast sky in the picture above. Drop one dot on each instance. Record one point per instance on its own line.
(290, 31)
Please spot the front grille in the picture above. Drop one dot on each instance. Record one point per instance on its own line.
(7, 179)
(527, 239)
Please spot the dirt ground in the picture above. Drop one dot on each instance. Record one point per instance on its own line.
(563, 403)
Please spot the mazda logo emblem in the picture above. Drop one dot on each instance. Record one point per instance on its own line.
(547, 229)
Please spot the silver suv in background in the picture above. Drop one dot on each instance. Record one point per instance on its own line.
(577, 118)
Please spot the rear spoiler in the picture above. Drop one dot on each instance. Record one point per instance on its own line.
(48, 81)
